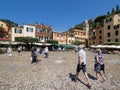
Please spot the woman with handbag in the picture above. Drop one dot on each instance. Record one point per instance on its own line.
(98, 64)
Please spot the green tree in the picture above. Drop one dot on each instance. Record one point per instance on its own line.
(78, 43)
(91, 24)
(113, 11)
(52, 41)
(79, 26)
(9, 23)
(99, 20)
(26, 40)
(3, 33)
(108, 13)
(117, 8)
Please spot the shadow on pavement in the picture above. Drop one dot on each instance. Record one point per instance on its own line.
(72, 77)
(91, 76)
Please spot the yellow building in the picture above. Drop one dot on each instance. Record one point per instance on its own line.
(79, 35)
(2, 24)
(112, 28)
(70, 38)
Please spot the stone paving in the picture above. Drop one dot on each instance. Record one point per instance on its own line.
(56, 72)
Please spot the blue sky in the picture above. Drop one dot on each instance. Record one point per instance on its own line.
(60, 14)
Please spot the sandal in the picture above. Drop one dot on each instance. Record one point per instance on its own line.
(89, 86)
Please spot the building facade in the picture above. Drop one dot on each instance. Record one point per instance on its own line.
(43, 32)
(16, 32)
(60, 37)
(96, 36)
(79, 35)
(70, 38)
(112, 28)
(29, 30)
(26, 30)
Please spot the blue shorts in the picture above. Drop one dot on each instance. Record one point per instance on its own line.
(83, 67)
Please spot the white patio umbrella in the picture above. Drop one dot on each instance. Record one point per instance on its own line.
(118, 47)
(99, 46)
(112, 46)
(93, 46)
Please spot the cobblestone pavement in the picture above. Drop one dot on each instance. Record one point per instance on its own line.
(55, 73)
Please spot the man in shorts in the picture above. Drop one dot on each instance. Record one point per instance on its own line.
(82, 65)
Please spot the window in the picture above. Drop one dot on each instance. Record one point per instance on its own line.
(20, 31)
(57, 35)
(100, 37)
(37, 37)
(28, 29)
(17, 31)
(108, 27)
(116, 26)
(37, 29)
(90, 43)
(41, 30)
(93, 42)
(41, 37)
(108, 34)
(110, 19)
(116, 32)
(116, 40)
(100, 32)
(69, 41)
(106, 21)
(93, 33)
(47, 31)
(100, 42)
(108, 40)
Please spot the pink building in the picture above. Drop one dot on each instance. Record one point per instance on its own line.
(60, 37)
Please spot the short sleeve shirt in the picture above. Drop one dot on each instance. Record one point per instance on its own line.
(82, 54)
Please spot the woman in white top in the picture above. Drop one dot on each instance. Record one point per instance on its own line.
(9, 51)
(46, 52)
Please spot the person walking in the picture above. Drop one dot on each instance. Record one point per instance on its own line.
(99, 65)
(33, 55)
(9, 51)
(37, 53)
(82, 65)
(46, 52)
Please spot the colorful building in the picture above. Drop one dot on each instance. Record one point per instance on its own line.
(70, 38)
(79, 35)
(112, 28)
(43, 32)
(96, 36)
(16, 32)
(60, 37)
(27, 30)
